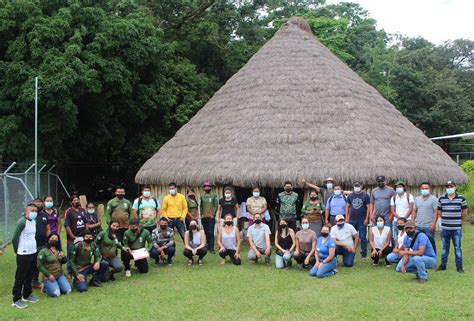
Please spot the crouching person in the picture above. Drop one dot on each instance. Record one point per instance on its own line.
(259, 240)
(108, 243)
(163, 243)
(50, 261)
(325, 254)
(136, 238)
(86, 260)
(194, 243)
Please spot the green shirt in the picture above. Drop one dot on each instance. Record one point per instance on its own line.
(288, 204)
(313, 217)
(119, 210)
(136, 241)
(209, 204)
(82, 257)
(107, 246)
(48, 263)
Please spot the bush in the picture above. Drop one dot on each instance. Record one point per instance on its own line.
(467, 190)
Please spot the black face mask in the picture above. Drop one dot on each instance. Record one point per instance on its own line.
(40, 208)
(324, 234)
(88, 241)
(193, 227)
(401, 227)
(120, 196)
(53, 243)
(163, 227)
(288, 189)
(381, 184)
(313, 198)
(282, 226)
(258, 221)
(411, 233)
(228, 223)
(114, 230)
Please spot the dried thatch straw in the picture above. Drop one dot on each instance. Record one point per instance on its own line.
(295, 110)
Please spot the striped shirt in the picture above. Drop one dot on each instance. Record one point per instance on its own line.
(451, 211)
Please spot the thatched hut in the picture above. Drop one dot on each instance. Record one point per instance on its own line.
(295, 110)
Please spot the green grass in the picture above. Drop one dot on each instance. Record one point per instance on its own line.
(252, 292)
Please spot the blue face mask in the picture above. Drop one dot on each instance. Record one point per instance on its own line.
(48, 204)
(33, 215)
(146, 193)
(425, 192)
(357, 189)
(450, 190)
(400, 190)
(329, 185)
(305, 226)
(256, 194)
(337, 192)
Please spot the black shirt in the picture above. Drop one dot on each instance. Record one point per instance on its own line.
(228, 207)
(41, 224)
(76, 220)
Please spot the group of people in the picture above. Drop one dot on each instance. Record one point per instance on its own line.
(398, 227)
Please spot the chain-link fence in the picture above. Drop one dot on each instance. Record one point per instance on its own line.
(17, 189)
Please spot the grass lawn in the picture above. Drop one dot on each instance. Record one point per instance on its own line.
(251, 292)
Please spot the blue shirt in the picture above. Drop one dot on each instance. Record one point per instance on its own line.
(421, 240)
(358, 206)
(336, 205)
(323, 249)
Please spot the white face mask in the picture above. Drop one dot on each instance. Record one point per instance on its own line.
(172, 191)
(227, 195)
(91, 211)
(329, 185)
(337, 192)
(256, 194)
(380, 224)
(356, 189)
(146, 193)
(400, 190)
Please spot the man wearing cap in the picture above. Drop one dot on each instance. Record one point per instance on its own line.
(401, 205)
(208, 206)
(325, 192)
(417, 253)
(346, 238)
(452, 209)
(380, 200)
(425, 211)
(357, 214)
(335, 205)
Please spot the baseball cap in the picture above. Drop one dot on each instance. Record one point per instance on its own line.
(400, 183)
(357, 183)
(207, 183)
(339, 217)
(329, 179)
(380, 178)
(450, 183)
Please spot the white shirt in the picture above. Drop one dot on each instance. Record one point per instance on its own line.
(401, 238)
(401, 204)
(380, 238)
(27, 241)
(344, 235)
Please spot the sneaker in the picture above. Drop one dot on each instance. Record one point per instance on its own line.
(222, 261)
(363, 257)
(128, 273)
(30, 299)
(95, 283)
(19, 304)
(388, 265)
(375, 263)
(170, 263)
(190, 262)
(300, 266)
(421, 281)
(460, 270)
(441, 268)
(200, 262)
(335, 271)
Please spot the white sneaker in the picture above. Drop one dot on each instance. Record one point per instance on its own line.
(128, 273)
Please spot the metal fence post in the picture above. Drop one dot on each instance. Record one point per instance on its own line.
(39, 180)
(49, 179)
(5, 194)
(26, 180)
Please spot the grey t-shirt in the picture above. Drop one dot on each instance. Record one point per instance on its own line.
(425, 210)
(258, 235)
(380, 197)
(326, 193)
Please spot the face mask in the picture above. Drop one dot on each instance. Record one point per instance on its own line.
(76, 205)
(53, 243)
(88, 241)
(146, 193)
(340, 225)
(329, 185)
(120, 196)
(381, 184)
(288, 189)
(163, 227)
(114, 230)
(229, 223)
(380, 224)
(401, 227)
(305, 226)
(193, 227)
(450, 190)
(258, 221)
(227, 195)
(425, 192)
(313, 198)
(324, 234)
(337, 192)
(256, 194)
(411, 234)
(192, 196)
(282, 226)
(91, 211)
(48, 204)
(357, 189)
(40, 208)
(172, 191)
(207, 190)
(400, 190)
(33, 215)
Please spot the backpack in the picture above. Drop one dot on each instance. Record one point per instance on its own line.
(140, 202)
(394, 199)
(330, 199)
(432, 241)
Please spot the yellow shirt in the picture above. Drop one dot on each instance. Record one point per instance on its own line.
(175, 206)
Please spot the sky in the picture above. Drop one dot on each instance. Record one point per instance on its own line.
(434, 20)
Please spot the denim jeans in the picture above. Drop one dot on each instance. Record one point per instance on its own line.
(347, 257)
(446, 237)
(427, 231)
(169, 252)
(393, 258)
(361, 228)
(283, 260)
(98, 275)
(57, 287)
(418, 265)
(208, 224)
(325, 270)
(174, 222)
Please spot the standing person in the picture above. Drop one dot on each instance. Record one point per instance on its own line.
(119, 209)
(50, 261)
(380, 201)
(228, 205)
(194, 243)
(256, 205)
(288, 200)
(228, 240)
(285, 242)
(346, 238)
(163, 243)
(305, 245)
(108, 242)
(259, 240)
(325, 254)
(92, 219)
(43, 230)
(380, 238)
(417, 252)
(193, 208)
(452, 209)
(24, 246)
(395, 257)
(425, 212)
(208, 209)
(336, 205)
(53, 216)
(358, 213)
(312, 210)
(401, 204)
(175, 209)
(146, 209)
(136, 238)
(326, 192)
(86, 260)
(75, 224)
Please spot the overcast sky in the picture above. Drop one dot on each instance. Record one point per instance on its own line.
(435, 20)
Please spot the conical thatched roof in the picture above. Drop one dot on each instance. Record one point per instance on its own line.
(295, 110)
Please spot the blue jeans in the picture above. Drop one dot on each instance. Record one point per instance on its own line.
(418, 265)
(283, 260)
(361, 228)
(208, 224)
(174, 222)
(393, 258)
(446, 237)
(98, 275)
(325, 270)
(427, 231)
(57, 287)
(347, 257)
(169, 252)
